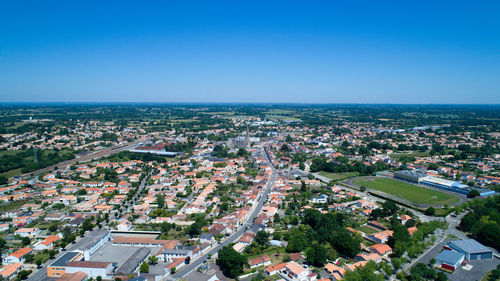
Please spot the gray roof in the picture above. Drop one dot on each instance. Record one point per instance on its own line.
(256, 227)
(470, 246)
(134, 261)
(89, 241)
(64, 259)
(449, 257)
(176, 251)
(206, 236)
(410, 173)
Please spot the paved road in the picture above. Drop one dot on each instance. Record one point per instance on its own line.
(197, 262)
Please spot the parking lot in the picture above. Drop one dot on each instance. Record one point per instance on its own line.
(479, 269)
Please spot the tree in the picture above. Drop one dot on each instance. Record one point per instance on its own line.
(26, 241)
(390, 208)
(262, 238)
(98, 278)
(231, 262)
(38, 261)
(23, 274)
(489, 233)
(440, 276)
(160, 200)
(53, 227)
(144, 268)
(153, 260)
(420, 270)
(473, 193)
(430, 211)
(316, 255)
(297, 242)
(400, 234)
(195, 229)
(365, 273)
(345, 243)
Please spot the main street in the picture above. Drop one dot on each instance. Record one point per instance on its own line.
(197, 262)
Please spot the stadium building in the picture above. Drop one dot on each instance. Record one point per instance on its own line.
(453, 186)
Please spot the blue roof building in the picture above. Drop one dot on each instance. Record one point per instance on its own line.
(449, 258)
(472, 249)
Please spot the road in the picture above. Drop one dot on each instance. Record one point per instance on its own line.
(197, 262)
(83, 158)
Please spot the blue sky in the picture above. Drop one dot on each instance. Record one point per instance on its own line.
(250, 51)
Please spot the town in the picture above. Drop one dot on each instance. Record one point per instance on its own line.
(204, 192)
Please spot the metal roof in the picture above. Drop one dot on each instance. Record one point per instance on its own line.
(64, 259)
(92, 239)
(134, 261)
(450, 257)
(470, 246)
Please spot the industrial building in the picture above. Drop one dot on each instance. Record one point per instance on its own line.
(472, 249)
(449, 259)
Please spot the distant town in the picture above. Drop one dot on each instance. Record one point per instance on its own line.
(249, 192)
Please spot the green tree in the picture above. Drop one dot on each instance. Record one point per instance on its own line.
(160, 200)
(430, 211)
(25, 241)
(231, 262)
(316, 255)
(53, 227)
(473, 193)
(262, 238)
(153, 260)
(144, 268)
(297, 242)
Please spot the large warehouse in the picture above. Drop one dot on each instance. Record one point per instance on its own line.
(472, 249)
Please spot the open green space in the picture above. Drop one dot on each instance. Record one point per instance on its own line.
(366, 230)
(409, 192)
(339, 176)
(16, 162)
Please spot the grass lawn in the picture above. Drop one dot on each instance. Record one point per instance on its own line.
(12, 173)
(366, 230)
(339, 176)
(407, 191)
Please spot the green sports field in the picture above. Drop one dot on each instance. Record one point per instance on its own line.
(409, 192)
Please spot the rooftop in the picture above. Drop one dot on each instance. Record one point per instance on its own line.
(449, 257)
(470, 246)
(64, 259)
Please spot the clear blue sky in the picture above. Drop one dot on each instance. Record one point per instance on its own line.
(255, 51)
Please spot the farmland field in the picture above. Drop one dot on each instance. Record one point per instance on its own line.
(407, 191)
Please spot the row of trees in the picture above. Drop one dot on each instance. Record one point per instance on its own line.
(484, 221)
(322, 164)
